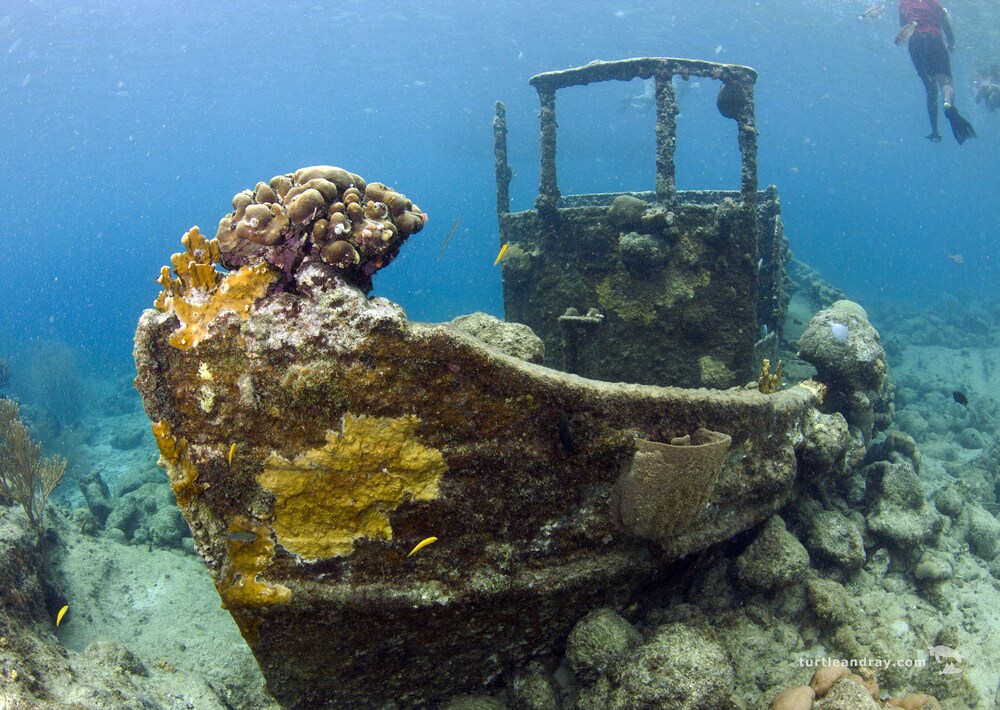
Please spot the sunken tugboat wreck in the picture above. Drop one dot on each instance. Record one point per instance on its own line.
(314, 436)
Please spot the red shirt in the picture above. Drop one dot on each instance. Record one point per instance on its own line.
(928, 14)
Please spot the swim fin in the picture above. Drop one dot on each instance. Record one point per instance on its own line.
(962, 129)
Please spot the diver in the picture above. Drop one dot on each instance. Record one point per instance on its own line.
(926, 24)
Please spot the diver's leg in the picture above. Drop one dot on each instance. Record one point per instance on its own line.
(947, 90)
(930, 86)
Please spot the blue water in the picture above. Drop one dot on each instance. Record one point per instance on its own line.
(126, 123)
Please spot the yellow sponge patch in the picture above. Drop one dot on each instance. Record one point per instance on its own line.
(239, 583)
(329, 497)
(180, 470)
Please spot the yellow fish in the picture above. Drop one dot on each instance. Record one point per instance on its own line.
(232, 450)
(503, 251)
(61, 614)
(904, 34)
(421, 545)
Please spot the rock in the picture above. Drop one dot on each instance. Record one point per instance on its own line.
(167, 527)
(848, 694)
(95, 493)
(950, 501)
(127, 438)
(831, 601)
(147, 515)
(115, 656)
(125, 517)
(918, 701)
(86, 522)
(970, 438)
(898, 513)
(981, 531)
(773, 560)
(680, 668)
(599, 639)
(834, 538)
(799, 697)
(932, 567)
(896, 447)
(829, 449)
(847, 353)
(515, 339)
(474, 702)
(532, 689)
(825, 677)
(897, 485)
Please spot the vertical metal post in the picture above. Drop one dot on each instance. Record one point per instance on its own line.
(548, 186)
(502, 167)
(748, 148)
(666, 138)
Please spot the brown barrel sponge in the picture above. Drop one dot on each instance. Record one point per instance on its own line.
(667, 486)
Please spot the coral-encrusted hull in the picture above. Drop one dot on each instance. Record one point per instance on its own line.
(315, 439)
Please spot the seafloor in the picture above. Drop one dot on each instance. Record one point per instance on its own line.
(146, 629)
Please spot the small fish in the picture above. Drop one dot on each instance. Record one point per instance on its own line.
(232, 450)
(61, 614)
(240, 536)
(503, 252)
(957, 259)
(960, 398)
(451, 233)
(904, 34)
(839, 332)
(796, 321)
(421, 545)
(872, 12)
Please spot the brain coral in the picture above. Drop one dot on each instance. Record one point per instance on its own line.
(320, 215)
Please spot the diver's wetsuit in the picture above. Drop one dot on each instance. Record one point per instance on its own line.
(928, 51)
(930, 28)
(927, 47)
